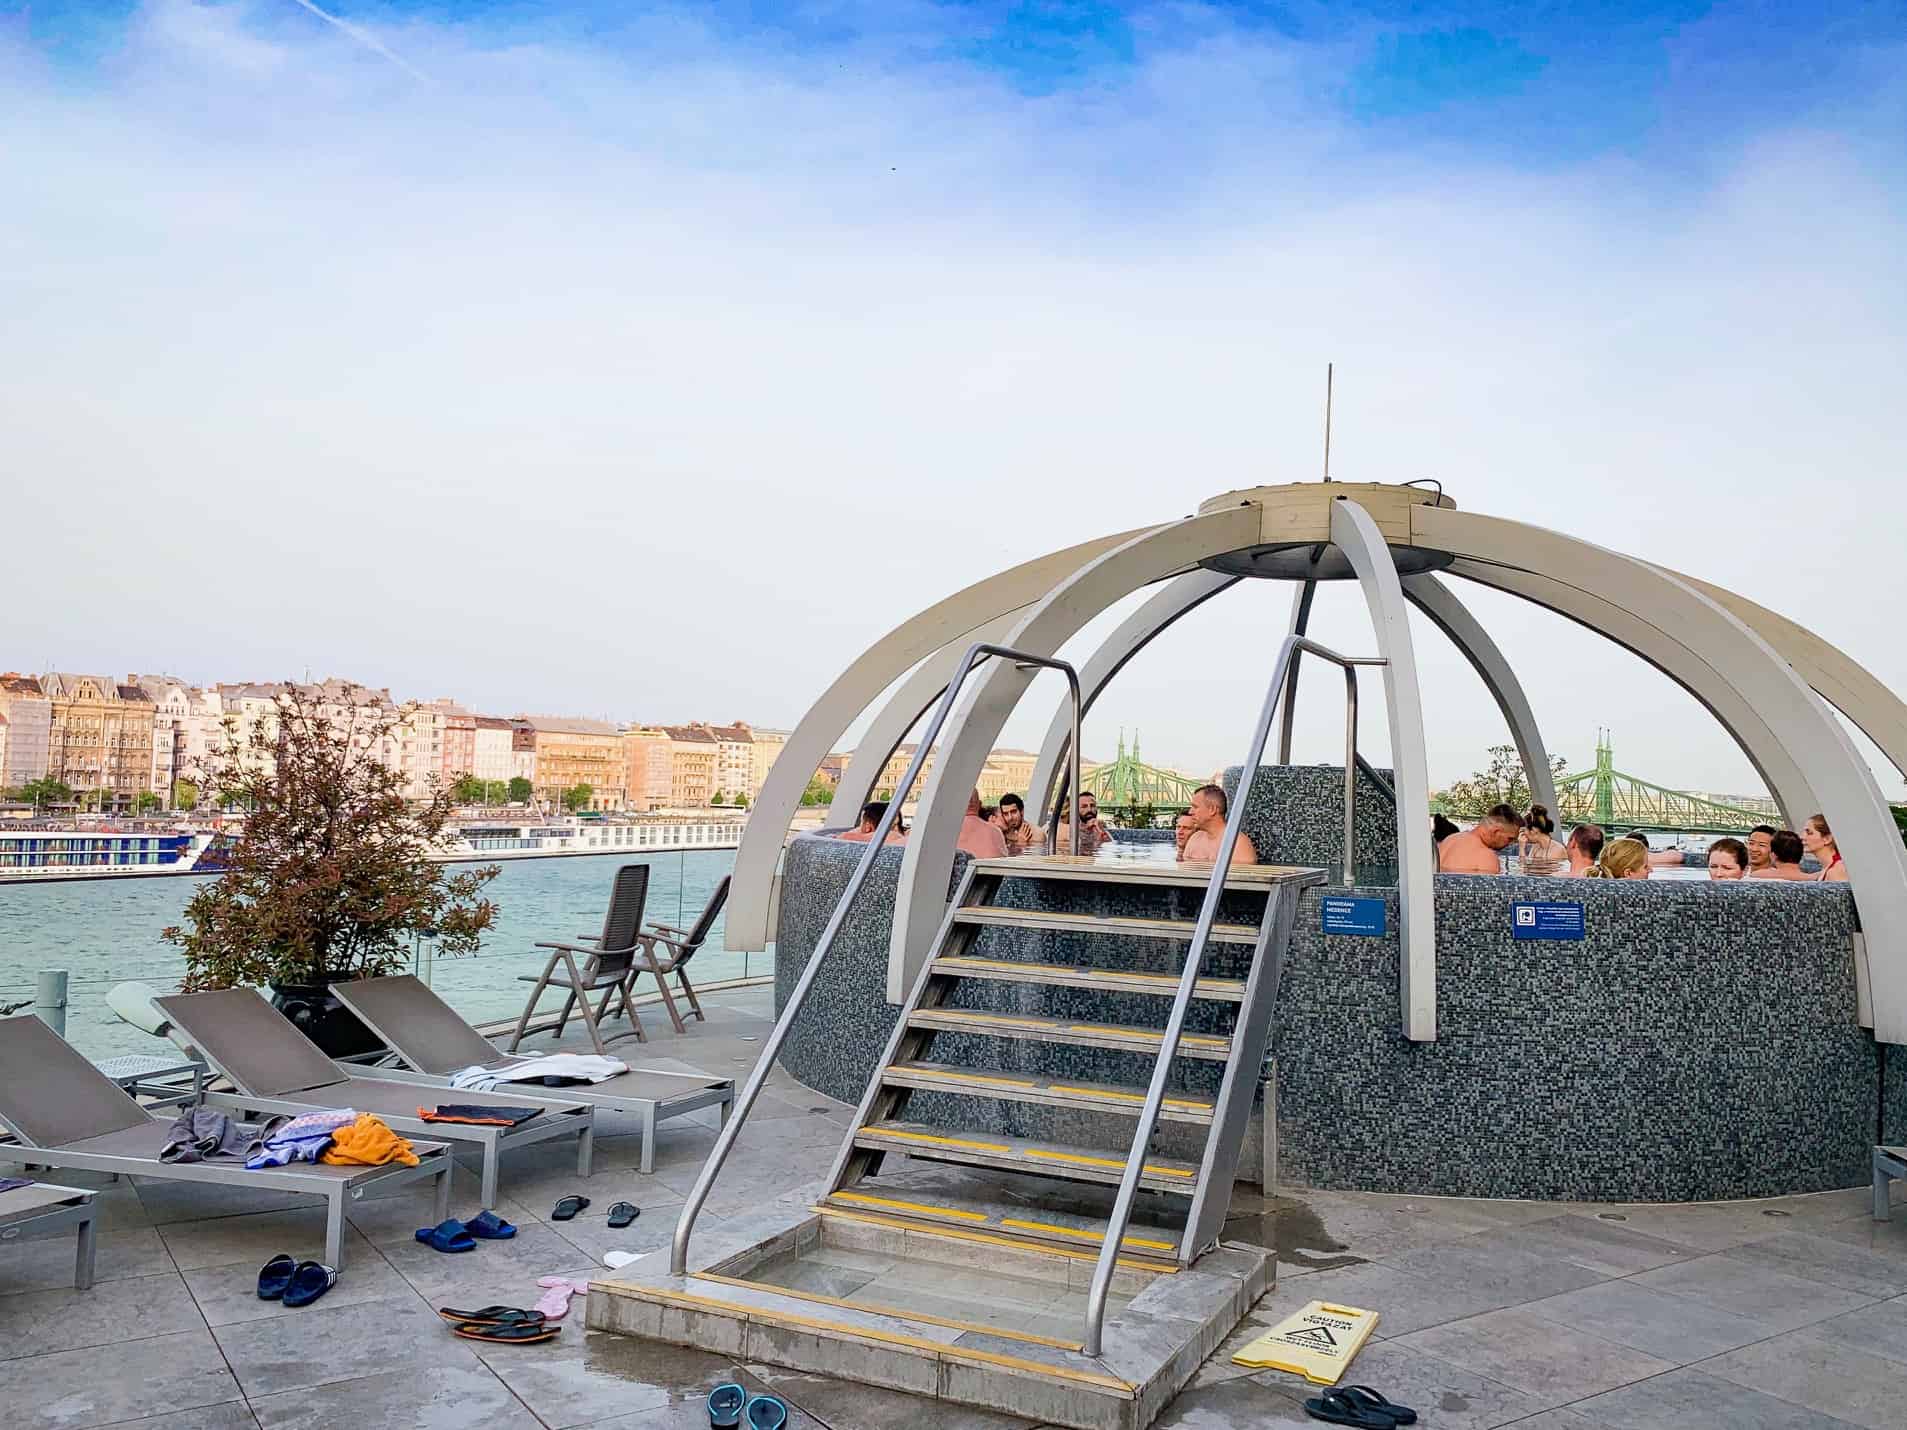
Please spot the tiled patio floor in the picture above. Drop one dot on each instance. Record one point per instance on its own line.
(1788, 1314)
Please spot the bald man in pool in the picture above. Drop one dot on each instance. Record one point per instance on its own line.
(1206, 828)
(1476, 850)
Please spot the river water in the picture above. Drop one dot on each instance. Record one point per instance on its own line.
(106, 931)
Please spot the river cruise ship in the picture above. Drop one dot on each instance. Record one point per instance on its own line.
(528, 837)
(45, 851)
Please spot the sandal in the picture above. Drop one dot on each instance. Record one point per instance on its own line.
(766, 1412)
(566, 1209)
(491, 1316)
(1338, 1408)
(622, 1213)
(274, 1276)
(451, 1235)
(554, 1302)
(490, 1226)
(520, 1333)
(1373, 1400)
(310, 1281)
(725, 1406)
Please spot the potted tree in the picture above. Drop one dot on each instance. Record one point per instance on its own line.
(330, 877)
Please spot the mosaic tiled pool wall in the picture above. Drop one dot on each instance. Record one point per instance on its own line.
(1697, 1043)
(1295, 815)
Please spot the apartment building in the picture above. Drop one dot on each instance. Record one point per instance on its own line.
(100, 743)
(490, 749)
(1007, 772)
(648, 762)
(523, 751)
(459, 755)
(29, 717)
(765, 749)
(734, 761)
(695, 764)
(571, 752)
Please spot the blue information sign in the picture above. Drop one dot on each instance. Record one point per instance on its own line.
(1358, 916)
(1548, 921)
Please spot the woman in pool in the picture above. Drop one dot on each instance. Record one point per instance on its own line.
(1816, 840)
(1537, 850)
(1727, 859)
(1621, 859)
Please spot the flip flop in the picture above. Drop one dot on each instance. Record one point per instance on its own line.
(310, 1281)
(622, 1213)
(766, 1412)
(449, 1235)
(554, 1302)
(616, 1260)
(1373, 1400)
(274, 1276)
(490, 1316)
(489, 1226)
(523, 1333)
(725, 1406)
(1338, 1408)
(566, 1209)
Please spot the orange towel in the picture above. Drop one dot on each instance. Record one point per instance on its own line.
(367, 1143)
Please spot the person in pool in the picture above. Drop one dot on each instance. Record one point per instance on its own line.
(1478, 850)
(1621, 859)
(1758, 856)
(1011, 819)
(1784, 852)
(1537, 849)
(1584, 849)
(1728, 859)
(1816, 840)
(1210, 806)
(1092, 834)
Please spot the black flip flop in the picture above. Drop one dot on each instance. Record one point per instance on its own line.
(526, 1333)
(566, 1209)
(274, 1277)
(1373, 1400)
(622, 1213)
(1337, 1408)
(491, 1316)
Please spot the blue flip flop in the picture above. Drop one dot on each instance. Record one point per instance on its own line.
(766, 1412)
(725, 1406)
(488, 1226)
(310, 1281)
(274, 1276)
(449, 1235)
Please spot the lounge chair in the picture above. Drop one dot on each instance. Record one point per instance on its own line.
(44, 1207)
(682, 947)
(276, 1068)
(608, 968)
(434, 1041)
(63, 1112)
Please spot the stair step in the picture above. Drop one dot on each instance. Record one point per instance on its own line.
(1050, 1092)
(1028, 1028)
(1150, 1246)
(1105, 980)
(1021, 1154)
(1177, 930)
(1095, 869)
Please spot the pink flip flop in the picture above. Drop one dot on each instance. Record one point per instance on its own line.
(554, 1302)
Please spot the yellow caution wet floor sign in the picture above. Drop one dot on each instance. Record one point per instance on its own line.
(1316, 1342)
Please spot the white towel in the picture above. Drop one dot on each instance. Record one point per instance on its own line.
(587, 1066)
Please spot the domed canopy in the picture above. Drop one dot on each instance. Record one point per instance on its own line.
(1763, 677)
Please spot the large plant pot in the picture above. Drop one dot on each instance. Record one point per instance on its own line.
(323, 1019)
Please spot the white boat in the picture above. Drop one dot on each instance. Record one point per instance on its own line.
(528, 837)
(31, 853)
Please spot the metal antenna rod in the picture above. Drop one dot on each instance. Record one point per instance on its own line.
(1327, 422)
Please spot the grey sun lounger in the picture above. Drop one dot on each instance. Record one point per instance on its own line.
(276, 1068)
(63, 1112)
(428, 1034)
(45, 1207)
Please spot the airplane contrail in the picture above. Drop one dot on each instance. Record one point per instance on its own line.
(369, 41)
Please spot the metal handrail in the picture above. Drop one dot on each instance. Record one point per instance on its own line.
(1194, 955)
(758, 1075)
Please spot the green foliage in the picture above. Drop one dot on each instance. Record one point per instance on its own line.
(818, 792)
(719, 797)
(741, 801)
(145, 802)
(330, 875)
(46, 791)
(469, 790)
(1501, 782)
(520, 790)
(577, 797)
(185, 794)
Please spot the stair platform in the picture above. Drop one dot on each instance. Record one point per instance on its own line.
(871, 1299)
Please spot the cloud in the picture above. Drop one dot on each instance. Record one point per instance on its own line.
(654, 371)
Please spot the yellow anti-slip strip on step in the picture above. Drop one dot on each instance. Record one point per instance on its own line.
(919, 1208)
(954, 1233)
(933, 1349)
(1080, 1157)
(1085, 1234)
(938, 1076)
(933, 1141)
(1044, 1228)
(1057, 1024)
(873, 1310)
(1195, 1104)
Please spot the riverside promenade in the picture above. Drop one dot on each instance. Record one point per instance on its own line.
(1788, 1313)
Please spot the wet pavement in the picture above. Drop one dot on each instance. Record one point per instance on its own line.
(1789, 1313)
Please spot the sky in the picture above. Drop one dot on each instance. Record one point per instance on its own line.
(650, 361)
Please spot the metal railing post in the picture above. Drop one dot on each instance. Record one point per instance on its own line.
(1350, 772)
(771, 1049)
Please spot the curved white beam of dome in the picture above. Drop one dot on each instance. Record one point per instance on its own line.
(1298, 624)
(948, 622)
(1453, 618)
(1863, 825)
(1875, 710)
(1675, 660)
(903, 711)
(1180, 596)
(1357, 536)
(921, 900)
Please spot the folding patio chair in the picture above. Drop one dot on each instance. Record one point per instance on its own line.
(682, 944)
(430, 1036)
(276, 1068)
(64, 1112)
(608, 968)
